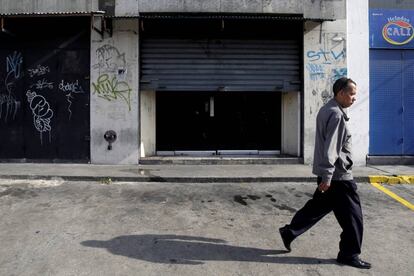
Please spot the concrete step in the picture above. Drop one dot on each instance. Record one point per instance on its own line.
(220, 160)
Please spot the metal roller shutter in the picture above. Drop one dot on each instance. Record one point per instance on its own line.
(169, 64)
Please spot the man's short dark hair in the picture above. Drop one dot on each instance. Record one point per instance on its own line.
(342, 83)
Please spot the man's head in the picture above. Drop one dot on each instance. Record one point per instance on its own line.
(345, 91)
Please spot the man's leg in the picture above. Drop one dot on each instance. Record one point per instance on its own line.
(313, 211)
(347, 210)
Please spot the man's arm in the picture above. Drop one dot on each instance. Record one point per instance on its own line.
(332, 148)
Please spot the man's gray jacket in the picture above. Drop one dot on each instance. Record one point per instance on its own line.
(332, 158)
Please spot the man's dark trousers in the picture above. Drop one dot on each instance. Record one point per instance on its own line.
(343, 200)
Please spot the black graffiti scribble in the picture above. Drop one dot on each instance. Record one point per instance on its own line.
(109, 59)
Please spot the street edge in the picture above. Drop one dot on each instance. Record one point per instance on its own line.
(195, 179)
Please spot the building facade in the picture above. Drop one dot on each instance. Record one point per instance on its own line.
(391, 78)
(115, 82)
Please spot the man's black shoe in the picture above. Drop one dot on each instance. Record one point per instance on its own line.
(285, 238)
(355, 262)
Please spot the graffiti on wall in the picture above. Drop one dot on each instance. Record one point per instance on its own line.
(42, 113)
(111, 84)
(40, 107)
(42, 84)
(70, 88)
(316, 71)
(110, 88)
(109, 59)
(9, 105)
(40, 70)
(326, 63)
(338, 73)
(326, 57)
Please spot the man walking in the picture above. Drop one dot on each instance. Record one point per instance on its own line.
(336, 189)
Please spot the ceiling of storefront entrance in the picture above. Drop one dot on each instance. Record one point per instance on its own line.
(246, 27)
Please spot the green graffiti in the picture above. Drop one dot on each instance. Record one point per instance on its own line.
(112, 89)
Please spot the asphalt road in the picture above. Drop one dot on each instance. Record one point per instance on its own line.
(91, 228)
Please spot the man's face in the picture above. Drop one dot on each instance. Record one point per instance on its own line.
(347, 96)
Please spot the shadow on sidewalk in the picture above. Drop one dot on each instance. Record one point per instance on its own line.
(175, 249)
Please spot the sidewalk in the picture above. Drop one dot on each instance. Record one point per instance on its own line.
(185, 173)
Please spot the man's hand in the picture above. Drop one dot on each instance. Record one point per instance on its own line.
(324, 186)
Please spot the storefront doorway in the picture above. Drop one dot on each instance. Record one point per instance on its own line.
(220, 85)
(44, 89)
(222, 123)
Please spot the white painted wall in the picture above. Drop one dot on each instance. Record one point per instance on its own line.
(325, 49)
(291, 123)
(114, 94)
(148, 123)
(358, 70)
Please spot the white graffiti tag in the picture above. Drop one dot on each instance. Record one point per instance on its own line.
(71, 88)
(41, 113)
(40, 70)
(11, 105)
(42, 84)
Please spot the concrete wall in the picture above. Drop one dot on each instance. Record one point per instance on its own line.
(358, 70)
(325, 52)
(126, 7)
(114, 94)
(309, 8)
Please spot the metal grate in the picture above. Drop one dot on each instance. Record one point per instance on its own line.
(220, 65)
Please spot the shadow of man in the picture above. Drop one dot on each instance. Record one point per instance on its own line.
(191, 250)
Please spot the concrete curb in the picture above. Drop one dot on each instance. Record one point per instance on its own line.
(394, 179)
(194, 179)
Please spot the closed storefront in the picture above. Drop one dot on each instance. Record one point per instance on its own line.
(135, 82)
(391, 83)
(44, 88)
(218, 81)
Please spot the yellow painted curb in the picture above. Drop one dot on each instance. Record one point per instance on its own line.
(399, 179)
